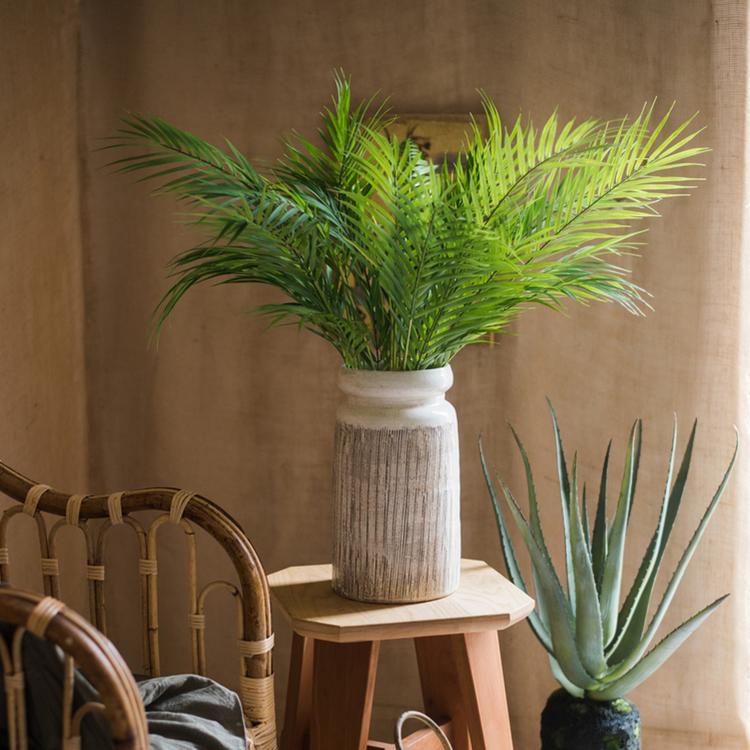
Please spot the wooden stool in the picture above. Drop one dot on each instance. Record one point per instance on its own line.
(335, 654)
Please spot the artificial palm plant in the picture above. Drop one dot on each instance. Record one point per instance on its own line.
(598, 644)
(399, 262)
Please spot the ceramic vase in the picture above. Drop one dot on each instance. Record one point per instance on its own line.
(396, 515)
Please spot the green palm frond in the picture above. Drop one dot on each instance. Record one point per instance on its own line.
(598, 647)
(399, 262)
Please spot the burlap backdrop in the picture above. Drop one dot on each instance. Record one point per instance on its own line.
(246, 415)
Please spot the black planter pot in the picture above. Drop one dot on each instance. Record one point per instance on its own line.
(570, 723)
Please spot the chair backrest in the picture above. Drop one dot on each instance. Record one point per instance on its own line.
(185, 509)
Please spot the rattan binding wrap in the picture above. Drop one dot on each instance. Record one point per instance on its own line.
(181, 507)
(41, 616)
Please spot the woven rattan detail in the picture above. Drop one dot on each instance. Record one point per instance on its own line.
(32, 498)
(50, 566)
(180, 500)
(14, 681)
(95, 572)
(147, 567)
(264, 735)
(197, 622)
(114, 507)
(73, 509)
(257, 697)
(42, 615)
(256, 648)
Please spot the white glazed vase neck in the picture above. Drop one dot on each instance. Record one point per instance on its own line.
(374, 398)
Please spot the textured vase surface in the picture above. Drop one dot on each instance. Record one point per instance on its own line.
(397, 528)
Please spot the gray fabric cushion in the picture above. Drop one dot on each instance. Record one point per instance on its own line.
(187, 712)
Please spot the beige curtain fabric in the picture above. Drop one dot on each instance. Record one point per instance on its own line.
(42, 373)
(245, 415)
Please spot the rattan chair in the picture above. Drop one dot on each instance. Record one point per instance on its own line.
(85, 644)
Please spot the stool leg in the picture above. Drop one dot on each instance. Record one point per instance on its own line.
(478, 709)
(343, 687)
(296, 733)
(480, 674)
(438, 675)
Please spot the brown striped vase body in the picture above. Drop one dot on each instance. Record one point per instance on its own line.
(397, 528)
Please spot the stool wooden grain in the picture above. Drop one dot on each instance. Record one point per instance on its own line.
(335, 654)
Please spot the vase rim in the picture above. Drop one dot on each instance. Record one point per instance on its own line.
(403, 383)
(444, 368)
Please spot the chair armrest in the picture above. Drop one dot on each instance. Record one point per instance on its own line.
(91, 652)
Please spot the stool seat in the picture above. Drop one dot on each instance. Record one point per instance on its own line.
(335, 648)
(485, 600)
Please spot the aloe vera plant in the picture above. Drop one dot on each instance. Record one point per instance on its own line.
(598, 646)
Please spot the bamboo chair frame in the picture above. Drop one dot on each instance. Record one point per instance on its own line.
(84, 647)
(255, 634)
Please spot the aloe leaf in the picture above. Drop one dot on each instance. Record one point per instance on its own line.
(534, 519)
(633, 612)
(679, 572)
(612, 578)
(511, 562)
(588, 616)
(559, 611)
(541, 604)
(633, 631)
(563, 680)
(585, 520)
(636, 466)
(599, 538)
(656, 657)
(675, 497)
(562, 471)
(537, 622)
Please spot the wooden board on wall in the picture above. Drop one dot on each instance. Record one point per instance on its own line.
(438, 136)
